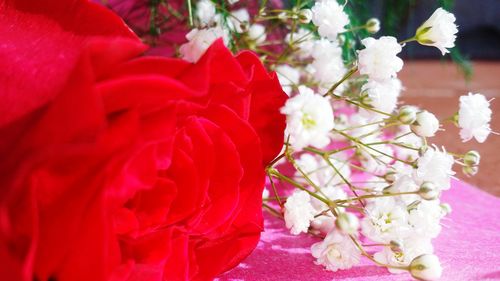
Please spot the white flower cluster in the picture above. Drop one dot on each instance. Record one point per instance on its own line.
(366, 172)
(212, 26)
(359, 181)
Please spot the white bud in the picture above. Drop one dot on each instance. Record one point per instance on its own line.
(470, 170)
(373, 25)
(232, 2)
(265, 194)
(282, 16)
(428, 191)
(395, 246)
(426, 267)
(446, 208)
(347, 222)
(407, 114)
(257, 33)
(305, 15)
(426, 124)
(472, 158)
(390, 177)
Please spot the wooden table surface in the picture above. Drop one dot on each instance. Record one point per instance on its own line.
(436, 86)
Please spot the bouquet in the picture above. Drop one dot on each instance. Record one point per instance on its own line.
(122, 162)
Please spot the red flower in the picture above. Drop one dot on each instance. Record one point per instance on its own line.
(121, 167)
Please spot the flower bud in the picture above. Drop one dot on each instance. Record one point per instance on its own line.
(347, 222)
(283, 16)
(265, 194)
(426, 267)
(390, 176)
(472, 158)
(373, 25)
(407, 114)
(365, 99)
(422, 150)
(428, 191)
(395, 246)
(305, 15)
(426, 124)
(446, 208)
(470, 170)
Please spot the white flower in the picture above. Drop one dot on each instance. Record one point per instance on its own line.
(298, 212)
(379, 59)
(474, 117)
(321, 174)
(425, 218)
(330, 18)
(359, 123)
(239, 20)
(426, 124)
(205, 11)
(426, 267)
(409, 248)
(336, 252)
(435, 166)
(385, 220)
(257, 33)
(438, 31)
(383, 96)
(302, 40)
(309, 119)
(288, 77)
(328, 66)
(199, 41)
(405, 183)
(331, 193)
(323, 224)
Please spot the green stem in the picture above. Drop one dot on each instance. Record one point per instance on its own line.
(346, 76)
(408, 40)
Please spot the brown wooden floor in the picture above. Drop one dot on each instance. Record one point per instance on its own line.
(436, 86)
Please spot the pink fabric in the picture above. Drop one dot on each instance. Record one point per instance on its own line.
(468, 247)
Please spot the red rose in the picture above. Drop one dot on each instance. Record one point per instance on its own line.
(120, 167)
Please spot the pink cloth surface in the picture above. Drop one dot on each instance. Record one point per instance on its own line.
(468, 247)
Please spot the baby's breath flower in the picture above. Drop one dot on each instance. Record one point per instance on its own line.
(309, 119)
(438, 31)
(298, 212)
(474, 117)
(330, 18)
(379, 58)
(336, 251)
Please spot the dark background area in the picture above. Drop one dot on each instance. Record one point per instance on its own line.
(478, 23)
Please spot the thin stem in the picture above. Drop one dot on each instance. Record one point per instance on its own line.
(298, 185)
(272, 210)
(374, 196)
(346, 76)
(408, 40)
(190, 12)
